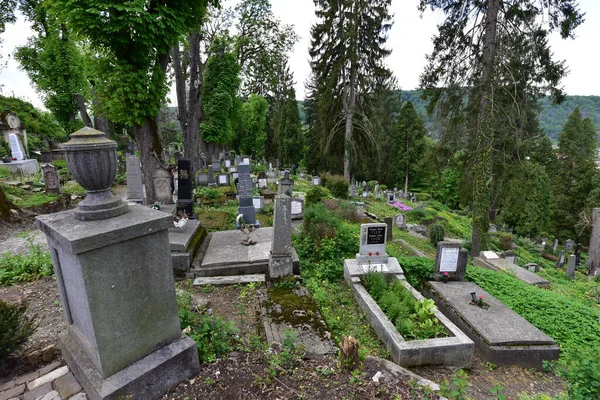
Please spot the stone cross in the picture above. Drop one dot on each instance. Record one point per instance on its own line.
(280, 260)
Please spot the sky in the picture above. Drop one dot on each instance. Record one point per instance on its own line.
(409, 39)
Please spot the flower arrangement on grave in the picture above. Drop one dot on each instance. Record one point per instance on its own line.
(478, 301)
(401, 206)
(445, 277)
(180, 221)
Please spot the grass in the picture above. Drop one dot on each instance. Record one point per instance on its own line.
(19, 268)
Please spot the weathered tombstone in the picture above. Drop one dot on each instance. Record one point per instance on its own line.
(47, 157)
(223, 179)
(211, 177)
(372, 245)
(555, 246)
(245, 194)
(280, 260)
(569, 244)
(376, 189)
(162, 186)
(510, 256)
(297, 208)
(420, 207)
(258, 202)
(286, 185)
(16, 148)
(185, 202)
(389, 234)
(51, 178)
(571, 266)
(216, 165)
(532, 267)
(353, 191)
(262, 180)
(246, 160)
(202, 178)
(578, 254)
(493, 228)
(594, 252)
(316, 181)
(391, 197)
(561, 260)
(227, 160)
(112, 264)
(400, 221)
(135, 188)
(450, 262)
(400, 194)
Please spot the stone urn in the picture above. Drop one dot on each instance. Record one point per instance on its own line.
(92, 160)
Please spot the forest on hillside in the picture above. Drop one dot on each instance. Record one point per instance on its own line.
(552, 116)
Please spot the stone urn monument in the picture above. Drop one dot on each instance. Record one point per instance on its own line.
(112, 263)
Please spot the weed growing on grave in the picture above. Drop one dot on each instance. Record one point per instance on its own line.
(281, 362)
(413, 319)
(17, 268)
(456, 388)
(15, 328)
(72, 187)
(497, 390)
(356, 377)
(213, 335)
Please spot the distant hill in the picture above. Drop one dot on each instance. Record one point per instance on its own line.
(552, 117)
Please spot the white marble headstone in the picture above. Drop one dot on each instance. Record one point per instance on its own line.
(15, 146)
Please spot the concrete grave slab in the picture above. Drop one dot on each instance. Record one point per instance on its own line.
(501, 264)
(500, 335)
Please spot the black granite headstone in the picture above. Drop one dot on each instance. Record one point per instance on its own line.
(185, 188)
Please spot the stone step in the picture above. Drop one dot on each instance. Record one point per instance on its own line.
(228, 280)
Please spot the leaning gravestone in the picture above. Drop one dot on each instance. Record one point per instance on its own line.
(185, 199)
(51, 178)
(561, 260)
(112, 264)
(555, 246)
(245, 194)
(450, 262)
(162, 186)
(135, 191)
(280, 259)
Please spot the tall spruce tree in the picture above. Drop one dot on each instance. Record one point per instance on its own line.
(573, 173)
(347, 59)
(465, 62)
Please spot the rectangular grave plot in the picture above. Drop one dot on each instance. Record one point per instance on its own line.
(455, 350)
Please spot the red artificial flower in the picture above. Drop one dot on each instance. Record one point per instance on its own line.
(480, 297)
(377, 253)
(370, 254)
(445, 274)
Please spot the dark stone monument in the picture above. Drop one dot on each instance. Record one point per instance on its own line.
(245, 194)
(578, 254)
(185, 199)
(286, 185)
(51, 178)
(211, 177)
(390, 235)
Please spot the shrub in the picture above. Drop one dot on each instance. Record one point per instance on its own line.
(337, 185)
(316, 194)
(15, 328)
(436, 234)
(319, 223)
(4, 172)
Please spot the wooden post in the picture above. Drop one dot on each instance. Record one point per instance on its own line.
(349, 355)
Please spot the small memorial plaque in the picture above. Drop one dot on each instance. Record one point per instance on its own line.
(449, 260)
(489, 255)
(262, 183)
(256, 203)
(296, 207)
(223, 179)
(376, 235)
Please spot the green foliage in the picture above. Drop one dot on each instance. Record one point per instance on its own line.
(213, 335)
(456, 388)
(254, 117)
(336, 184)
(447, 190)
(36, 199)
(221, 84)
(207, 193)
(34, 264)
(5, 173)
(436, 234)
(413, 319)
(15, 328)
(316, 194)
(72, 187)
(40, 125)
(4, 150)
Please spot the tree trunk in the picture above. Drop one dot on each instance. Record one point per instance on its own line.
(349, 103)
(151, 150)
(5, 209)
(594, 252)
(87, 121)
(482, 174)
(349, 354)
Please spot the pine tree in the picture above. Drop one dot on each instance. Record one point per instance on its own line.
(347, 54)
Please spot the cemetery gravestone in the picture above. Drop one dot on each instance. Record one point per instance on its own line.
(185, 201)
(353, 191)
(51, 178)
(316, 181)
(594, 252)
(211, 177)
(571, 266)
(555, 247)
(262, 180)
(561, 260)
(245, 194)
(510, 256)
(246, 160)
(578, 254)
(389, 236)
(258, 202)
(372, 250)
(493, 228)
(15, 146)
(450, 262)
(223, 179)
(569, 244)
(286, 185)
(297, 208)
(280, 260)
(162, 186)
(400, 221)
(391, 197)
(202, 178)
(216, 164)
(135, 191)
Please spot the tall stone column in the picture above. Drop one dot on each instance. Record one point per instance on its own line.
(113, 268)
(280, 260)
